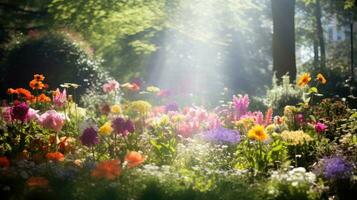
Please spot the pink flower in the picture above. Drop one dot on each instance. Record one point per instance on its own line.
(320, 127)
(111, 86)
(52, 120)
(32, 115)
(241, 105)
(60, 98)
(6, 114)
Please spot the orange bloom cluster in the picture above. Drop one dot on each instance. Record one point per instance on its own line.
(134, 159)
(4, 162)
(43, 98)
(55, 156)
(22, 92)
(37, 82)
(37, 182)
(109, 169)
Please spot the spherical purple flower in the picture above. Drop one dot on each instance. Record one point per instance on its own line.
(171, 107)
(89, 137)
(336, 168)
(222, 135)
(19, 111)
(320, 127)
(122, 126)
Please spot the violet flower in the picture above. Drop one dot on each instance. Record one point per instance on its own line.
(89, 137)
(122, 126)
(336, 168)
(221, 135)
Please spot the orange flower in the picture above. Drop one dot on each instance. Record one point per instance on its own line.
(35, 84)
(12, 91)
(134, 159)
(304, 79)
(321, 78)
(55, 156)
(38, 77)
(37, 182)
(4, 162)
(109, 169)
(27, 94)
(43, 98)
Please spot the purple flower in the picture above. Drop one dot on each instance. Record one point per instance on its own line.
(171, 107)
(320, 127)
(122, 126)
(336, 168)
(89, 137)
(19, 111)
(221, 135)
(241, 105)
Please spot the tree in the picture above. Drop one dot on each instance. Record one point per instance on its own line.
(283, 12)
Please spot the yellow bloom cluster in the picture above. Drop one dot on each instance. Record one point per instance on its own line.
(258, 133)
(106, 129)
(295, 137)
(142, 107)
(245, 123)
(116, 109)
(153, 89)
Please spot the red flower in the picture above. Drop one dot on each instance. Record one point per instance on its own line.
(134, 159)
(37, 182)
(55, 156)
(4, 162)
(109, 169)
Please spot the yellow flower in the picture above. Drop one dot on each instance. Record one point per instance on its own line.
(321, 78)
(178, 118)
(246, 123)
(142, 107)
(304, 79)
(270, 128)
(258, 133)
(295, 137)
(116, 109)
(153, 89)
(106, 129)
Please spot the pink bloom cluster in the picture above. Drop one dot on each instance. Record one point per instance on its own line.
(197, 120)
(60, 98)
(111, 86)
(52, 120)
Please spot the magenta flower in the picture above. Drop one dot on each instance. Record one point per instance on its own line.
(52, 120)
(111, 86)
(60, 99)
(19, 112)
(122, 126)
(89, 137)
(241, 105)
(320, 127)
(299, 118)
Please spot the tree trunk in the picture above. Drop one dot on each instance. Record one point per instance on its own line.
(320, 35)
(316, 52)
(284, 62)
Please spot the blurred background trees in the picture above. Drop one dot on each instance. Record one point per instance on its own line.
(167, 43)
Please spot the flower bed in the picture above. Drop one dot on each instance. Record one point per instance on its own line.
(131, 142)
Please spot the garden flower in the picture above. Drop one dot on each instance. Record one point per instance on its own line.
(153, 89)
(106, 129)
(43, 98)
(109, 169)
(304, 79)
(111, 86)
(32, 115)
(19, 111)
(55, 156)
(337, 168)
(258, 133)
(122, 126)
(36, 85)
(321, 78)
(12, 91)
(105, 109)
(320, 127)
(171, 107)
(241, 105)
(116, 109)
(299, 118)
(4, 162)
(38, 77)
(142, 107)
(89, 137)
(52, 120)
(27, 94)
(37, 182)
(134, 159)
(222, 135)
(164, 93)
(6, 114)
(295, 137)
(60, 98)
